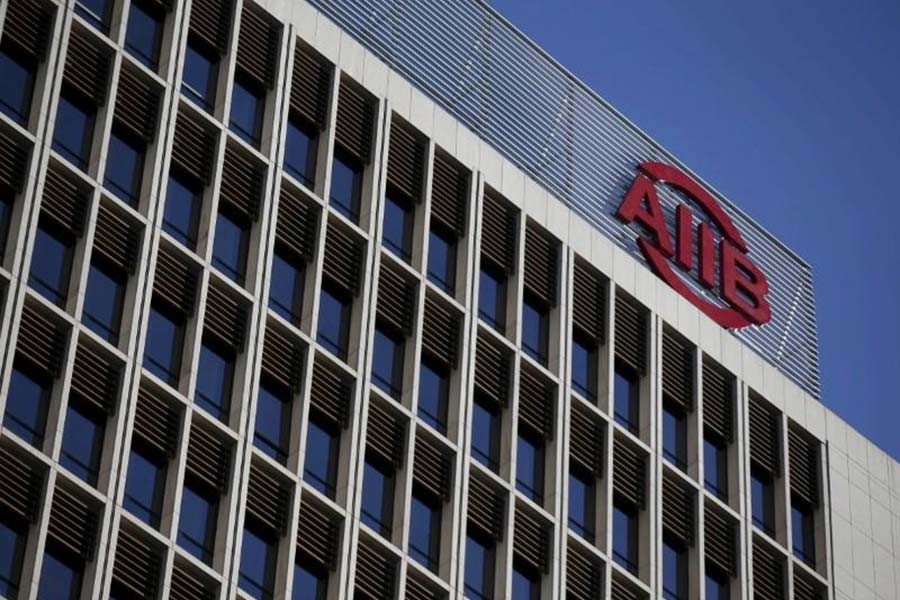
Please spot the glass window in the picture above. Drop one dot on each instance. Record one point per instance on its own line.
(346, 184)
(530, 465)
(625, 535)
(73, 130)
(627, 394)
(124, 168)
(434, 392)
(715, 468)
(17, 73)
(230, 247)
(12, 550)
(762, 499)
(492, 298)
(378, 496)
(95, 12)
(258, 558)
(486, 435)
(582, 499)
(479, 575)
(674, 426)
(197, 523)
(144, 34)
(182, 213)
(60, 578)
(442, 259)
(675, 573)
(803, 537)
(584, 367)
(398, 225)
(273, 421)
(286, 287)
(162, 350)
(51, 263)
(144, 486)
(215, 373)
(425, 531)
(334, 320)
(535, 325)
(246, 111)
(387, 362)
(310, 583)
(300, 148)
(82, 444)
(103, 301)
(717, 587)
(322, 447)
(200, 73)
(26, 405)
(525, 584)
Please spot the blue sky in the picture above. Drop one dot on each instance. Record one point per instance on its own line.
(792, 110)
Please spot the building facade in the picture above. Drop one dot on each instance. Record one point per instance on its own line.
(341, 300)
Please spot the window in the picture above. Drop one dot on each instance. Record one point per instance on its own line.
(273, 421)
(12, 551)
(675, 571)
(535, 329)
(73, 129)
(17, 73)
(715, 468)
(485, 435)
(310, 583)
(674, 426)
(286, 288)
(346, 184)
(51, 264)
(479, 575)
(717, 587)
(803, 534)
(334, 320)
(26, 405)
(82, 444)
(144, 34)
(526, 585)
(398, 225)
(378, 496)
(530, 465)
(258, 558)
(246, 111)
(103, 300)
(762, 497)
(230, 247)
(95, 12)
(162, 351)
(197, 523)
(442, 259)
(584, 367)
(434, 393)
(425, 530)
(145, 485)
(492, 298)
(60, 577)
(322, 448)
(625, 535)
(627, 396)
(201, 68)
(387, 362)
(582, 500)
(300, 149)
(182, 212)
(215, 373)
(124, 167)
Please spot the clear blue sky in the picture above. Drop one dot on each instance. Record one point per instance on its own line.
(792, 109)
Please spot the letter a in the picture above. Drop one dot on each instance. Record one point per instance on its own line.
(632, 208)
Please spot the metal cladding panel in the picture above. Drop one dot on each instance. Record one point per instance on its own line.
(509, 92)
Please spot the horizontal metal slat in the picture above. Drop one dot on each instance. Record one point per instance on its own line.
(21, 486)
(331, 392)
(27, 26)
(449, 193)
(137, 565)
(677, 370)
(297, 225)
(355, 120)
(41, 342)
(156, 421)
(343, 255)
(87, 68)
(440, 332)
(211, 22)
(803, 453)
(95, 378)
(432, 467)
(396, 299)
(375, 573)
(310, 85)
(385, 434)
(189, 585)
(116, 239)
(764, 434)
(678, 509)
(720, 537)
(492, 370)
(631, 333)
(486, 506)
(282, 360)
(64, 202)
(73, 524)
(267, 500)
(718, 400)
(629, 472)
(536, 402)
(584, 574)
(209, 458)
(406, 160)
(318, 534)
(226, 318)
(586, 441)
(13, 161)
(541, 264)
(498, 231)
(242, 184)
(193, 148)
(768, 573)
(531, 540)
(588, 301)
(257, 50)
(175, 282)
(137, 105)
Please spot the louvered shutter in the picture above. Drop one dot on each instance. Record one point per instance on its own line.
(267, 500)
(678, 509)
(318, 534)
(282, 360)
(73, 524)
(331, 392)
(803, 453)
(257, 50)
(541, 264)
(211, 22)
(396, 299)
(720, 537)
(433, 467)
(486, 507)
(586, 441)
(116, 239)
(156, 421)
(297, 225)
(87, 68)
(137, 105)
(355, 119)
(498, 232)
(718, 394)
(137, 565)
(193, 148)
(588, 305)
(764, 434)
(536, 402)
(631, 333)
(27, 27)
(310, 85)
(677, 370)
(226, 318)
(41, 342)
(343, 258)
(807, 588)
(64, 203)
(385, 434)
(492, 370)
(208, 458)
(531, 540)
(95, 378)
(13, 162)
(175, 283)
(406, 158)
(768, 572)
(418, 588)
(621, 588)
(188, 584)
(21, 486)
(440, 332)
(449, 194)
(242, 185)
(629, 472)
(376, 572)
(584, 574)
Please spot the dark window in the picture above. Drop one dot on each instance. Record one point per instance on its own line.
(425, 530)
(201, 69)
(145, 486)
(675, 571)
(103, 300)
(12, 551)
(74, 129)
(95, 12)
(479, 576)
(300, 149)
(582, 501)
(387, 362)
(310, 583)
(60, 577)
(715, 468)
(51, 264)
(124, 167)
(273, 421)
(26, 405)
(286, 288)
(334, 320)
(182, 212)
(322, 448)
(717, 587)
(584, 366)
(378, 496)
(398, 225)
(162, 351)
(258, 559)
(215, 374)
(803, 534)
(526, 585)
(144, 35)
(197, 523)
(625, 535)
(246, 111)
(434, 393)
(530, 465)
(762, 497)
(535, 329)
(627, 397)
(82, 444)
(442, 259)
(230, 247)
(486, 435)
(17, 73)
(674, 426)
(346, 184)
(492, 298)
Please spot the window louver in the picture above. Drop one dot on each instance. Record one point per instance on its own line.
(242, 184)
(282, 360)
(41, 342)
(27, 26)
(629, 472)
(156, 421)
(433, 467)
(718, 386)
(13, 161)
(486, 507)
(355, 118)
(806, 588)
(804, 462)
(137, 105)
(588, 301)
(531, 540)
(449, 194)
(257, 50)
(297, 225)
(193, 148)
(208, 457)
(175, 283)
(385, 434)
(677, 370)
(492, 370)
(188, 584)
(536, 402)
(137, 565)
(375, 573)
(584, 574)
(226, 318)
(95, 378)
(396, 299)
(267, 500)
(87, 68)
(406, 158)
(768, 573)
(541, 264)
(498, 232)
(343, 255)
(318, 535)
(21, 486)
(440, 332)
(417, 588)
(678, 509)
(310, 85)
(586, 443)
(764, 434)
(64, 202)
(211, 22)
(631, 333)
(116, 240)
(621, 588)
(720, 537)
(73, 524)
(332, 392)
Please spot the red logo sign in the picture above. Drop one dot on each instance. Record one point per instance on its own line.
(742, 286)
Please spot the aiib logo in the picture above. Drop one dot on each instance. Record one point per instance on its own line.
(742, 286)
